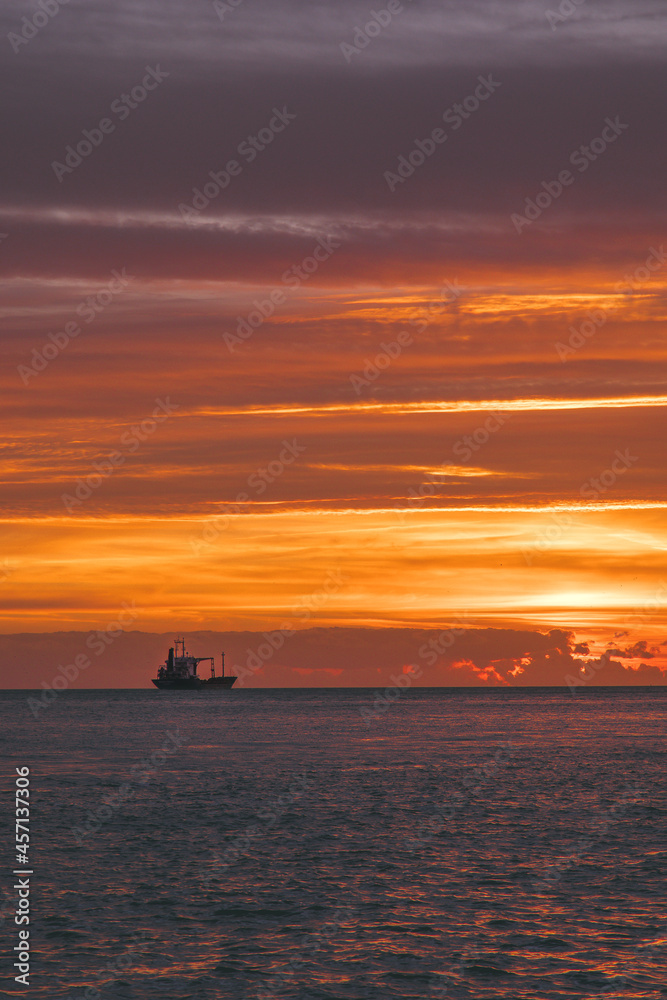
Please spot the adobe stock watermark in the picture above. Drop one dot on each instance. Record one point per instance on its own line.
(283, 981)
(105, 467)
(641, 953)
(591, 489)
(121, 107)
(373, 367)
(291, 280)
(31, 26)
(596, 318)
(334, 581)
(269, 815)
(474, 782)
(383, 700)
(225, 7)
(636, 617)
(596, 485)
(401, 682)
(6, 570)
(599, 825)
(588, 672)
(249, 149)
(378, 21)
(258, 481)
(464, 449)
(302, 610)
(581, 158)
(450, 293)
(646, 612)
(455, 116)
(97, 642)
(566, 9)
(140, 774)
(547, 537)
(88, 310)
(420, 493)
(439, 982)
(434, 648)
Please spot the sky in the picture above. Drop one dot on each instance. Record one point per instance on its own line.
(341, 317)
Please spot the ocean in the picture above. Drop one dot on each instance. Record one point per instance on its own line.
(324, 845)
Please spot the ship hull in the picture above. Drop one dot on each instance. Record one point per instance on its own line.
(179, 672)
(195, 684)
(179, 684)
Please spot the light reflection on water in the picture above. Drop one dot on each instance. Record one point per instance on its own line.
(472, 844)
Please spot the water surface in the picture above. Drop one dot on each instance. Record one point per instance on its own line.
(461, 844)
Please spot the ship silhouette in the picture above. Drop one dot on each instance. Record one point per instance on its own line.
(179, 672)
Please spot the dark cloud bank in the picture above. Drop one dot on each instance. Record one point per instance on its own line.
(333, 657)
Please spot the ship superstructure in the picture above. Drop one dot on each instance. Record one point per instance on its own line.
(179, 671)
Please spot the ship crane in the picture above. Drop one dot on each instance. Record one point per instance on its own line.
(212, 659)
(180, 671)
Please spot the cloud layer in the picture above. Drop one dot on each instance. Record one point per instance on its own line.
(432, 265)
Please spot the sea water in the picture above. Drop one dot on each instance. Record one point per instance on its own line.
(316, 844)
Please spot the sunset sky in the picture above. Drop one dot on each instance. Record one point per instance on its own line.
(400, 365)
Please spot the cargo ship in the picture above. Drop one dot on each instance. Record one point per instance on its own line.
(179, 672)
